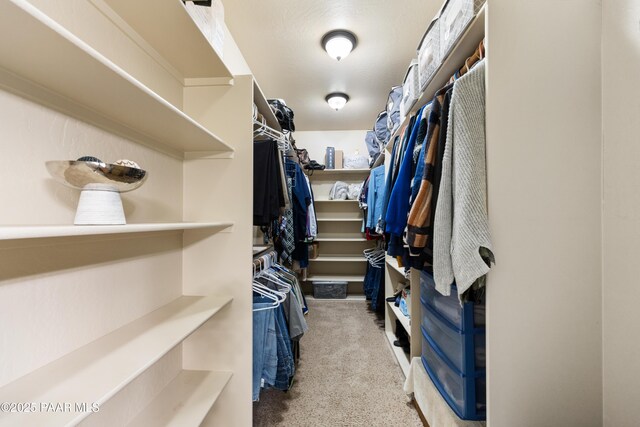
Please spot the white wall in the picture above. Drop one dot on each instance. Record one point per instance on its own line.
(316, 142)
(621, 213)
(544, 179)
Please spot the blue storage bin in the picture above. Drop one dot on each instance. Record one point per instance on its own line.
(451, 341)
(464, 393)
(448, 306)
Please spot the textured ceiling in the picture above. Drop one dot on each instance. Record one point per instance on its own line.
(280, 39)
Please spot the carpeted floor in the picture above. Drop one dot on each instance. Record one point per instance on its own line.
(347, 375)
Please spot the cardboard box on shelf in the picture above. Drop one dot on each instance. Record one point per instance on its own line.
(339, 159)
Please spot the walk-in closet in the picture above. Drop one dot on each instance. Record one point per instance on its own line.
(251, 213)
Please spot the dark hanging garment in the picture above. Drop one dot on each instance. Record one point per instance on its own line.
(268, 195)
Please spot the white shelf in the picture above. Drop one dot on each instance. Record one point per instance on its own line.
(338, 258)
(57, 69)
(404, 320)
(401, 356)
(340, 239)
(97, 371)
(317, 200)
(392, 262)
(330, 278)
(339, 219)
(317, 173)
(168, 28)
(263, 107)
(50, 231)
(257, 250)
(185, 401)
(464, 48)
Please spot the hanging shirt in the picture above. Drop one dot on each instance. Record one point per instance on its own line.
(396, 217)
(312, 224)
(375, 198)
(419, 230)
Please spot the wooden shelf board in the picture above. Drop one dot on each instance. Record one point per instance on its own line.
(338, 258)
(167, 27)
(62, 72)
(329, 278)
(340, 239)
(392, 262)
(401, 356)
(52, 231)
(318, 200)
(263, 107)
(185, 401)
(339, 219)
(464, 48)
(97, 371)
(404, 320)
(319, 173)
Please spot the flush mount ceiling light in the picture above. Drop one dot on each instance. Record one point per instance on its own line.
(339, 43)
(337, 100)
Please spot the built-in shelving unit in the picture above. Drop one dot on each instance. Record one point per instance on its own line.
(338, 258)
(167, 27)
(51, 231)
(335, 278)
(465, 47)
(185, 401)
(342, 172)
(77, 80)
(359, 220)
(395, 279)
(340, 239)
(89, 317)
(263, 107)
(393, 263)
(340, 236)
(395, 275)
(402, 357)
(325, 200)
(97, 371)
(406, 322)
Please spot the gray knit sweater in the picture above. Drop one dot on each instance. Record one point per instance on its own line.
(461, 226)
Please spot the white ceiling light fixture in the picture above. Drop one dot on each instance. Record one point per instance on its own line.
(339, 43)
(337, 100)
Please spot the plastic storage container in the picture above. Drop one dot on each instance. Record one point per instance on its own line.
(453, 349)
(448, 306)
(452, 341)
(454, 20)
(330, 290)
(465, 394)
(410, 89)
(429, 54)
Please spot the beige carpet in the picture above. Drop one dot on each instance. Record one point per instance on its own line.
(347, 375)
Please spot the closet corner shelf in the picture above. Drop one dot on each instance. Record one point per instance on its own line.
(185, 401)
(62, 72)
(168, 30)
(96, 372)
(462, 49)
(52, 231)
(263, 107)
(338, 258)
(330, 278)
(401, 356)
(404, 320)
